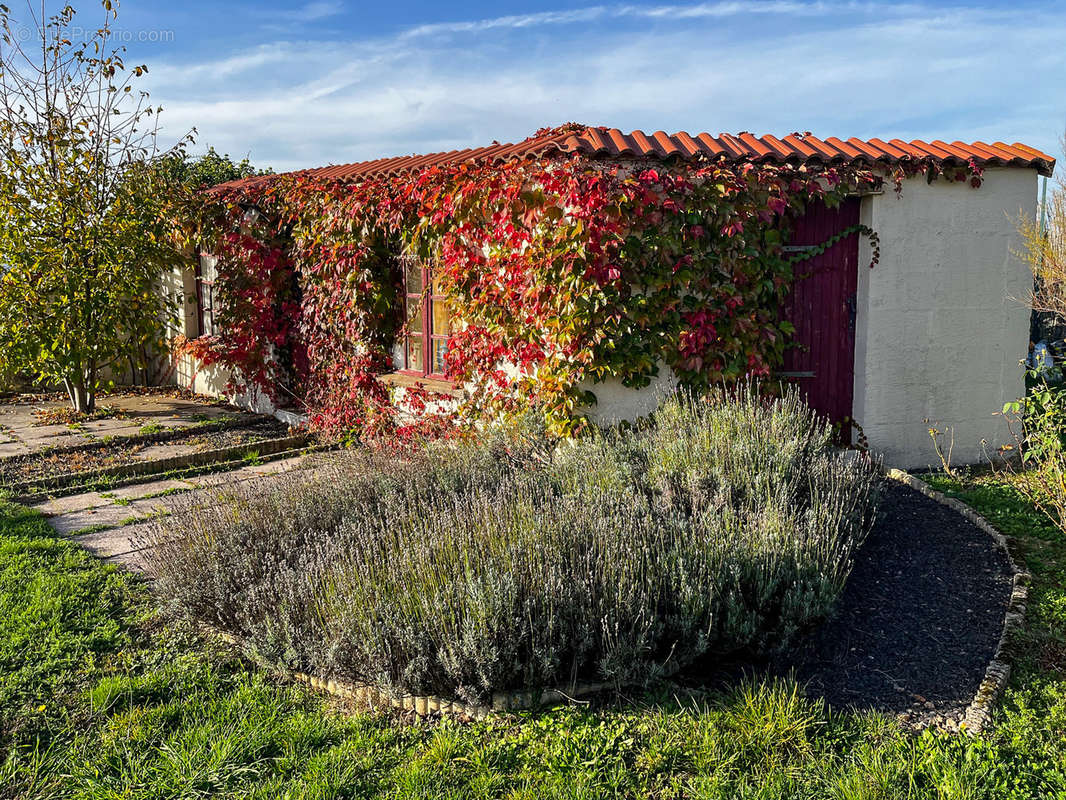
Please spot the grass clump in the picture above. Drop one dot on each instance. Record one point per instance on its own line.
(725, 525)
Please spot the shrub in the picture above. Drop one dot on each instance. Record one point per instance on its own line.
(725, 525)
(1038, 426)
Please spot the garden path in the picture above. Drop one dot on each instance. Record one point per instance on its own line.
(109, 523)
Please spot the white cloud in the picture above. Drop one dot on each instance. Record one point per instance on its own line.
(837, 69)
(312, 12)
(512, 21)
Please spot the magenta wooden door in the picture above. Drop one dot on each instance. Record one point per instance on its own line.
(822, 307)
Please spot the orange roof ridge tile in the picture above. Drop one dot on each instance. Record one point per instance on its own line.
(601, 141)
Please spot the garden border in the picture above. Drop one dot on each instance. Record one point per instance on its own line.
(169, 435)
(156, 466)
(376, 698)
(979, 711)
(976, 717)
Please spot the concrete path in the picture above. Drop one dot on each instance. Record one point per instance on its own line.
(109, 524)
(21, 431)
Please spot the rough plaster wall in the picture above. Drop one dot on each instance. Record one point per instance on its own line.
(188, 373)
(940, 328)
(617, 403)
(202, 380)
(190, 305)
(213, 380)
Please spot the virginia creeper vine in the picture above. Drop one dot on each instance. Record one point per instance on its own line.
(560, 272)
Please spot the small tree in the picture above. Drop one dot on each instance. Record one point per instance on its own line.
(84, 206)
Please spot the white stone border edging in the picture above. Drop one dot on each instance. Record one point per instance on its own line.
(979, 711)
(378, 699)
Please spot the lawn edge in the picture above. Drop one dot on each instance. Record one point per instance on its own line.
(377, 699)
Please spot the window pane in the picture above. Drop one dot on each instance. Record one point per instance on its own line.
(414, 353)
(437, 288)
(413, 272)
(414, 314)
(440, 347)
(208, 267)
(207, 309)
(442, 319)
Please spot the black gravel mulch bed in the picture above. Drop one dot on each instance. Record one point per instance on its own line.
(919, 620)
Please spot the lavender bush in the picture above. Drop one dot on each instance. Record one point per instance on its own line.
(725, 525)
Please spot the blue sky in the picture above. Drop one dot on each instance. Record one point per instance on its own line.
(330, 81)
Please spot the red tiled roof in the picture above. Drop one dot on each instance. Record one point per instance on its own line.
(610, 142)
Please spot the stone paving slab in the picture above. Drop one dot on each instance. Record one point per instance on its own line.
(248, 472)
(121, 497)
(127, 518)
(114, 543)
(18, 423)
(275, 467)
(134, 561)
(214, 478)
(127, 497)
(39, 438)
(108, 427)
(139, 491)
(155, 452)
(109, 515)
(14, 449)
(152, 507)
(71, 504)
(41, 431)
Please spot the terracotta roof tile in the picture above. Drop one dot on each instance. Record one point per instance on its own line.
(687, 143)
(799, 147)
(821, 149)
(897, 149)
(712, 145)
(846, 150)
(611, 142)
(779, 147)
(666, 143)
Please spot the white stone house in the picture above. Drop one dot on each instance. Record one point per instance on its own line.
(932, 335)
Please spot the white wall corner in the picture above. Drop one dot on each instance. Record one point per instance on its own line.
(940, 329)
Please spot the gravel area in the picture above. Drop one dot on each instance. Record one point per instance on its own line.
(916, 625)
(919, 619)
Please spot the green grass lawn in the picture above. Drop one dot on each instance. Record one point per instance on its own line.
(99, 698)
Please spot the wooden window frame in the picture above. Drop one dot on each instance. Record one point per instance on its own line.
(426, 299)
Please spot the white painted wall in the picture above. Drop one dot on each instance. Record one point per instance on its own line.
(941, 322)
(616, 402)
(192, 375)
(188, 372)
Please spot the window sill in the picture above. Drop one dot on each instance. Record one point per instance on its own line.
(435, 385)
